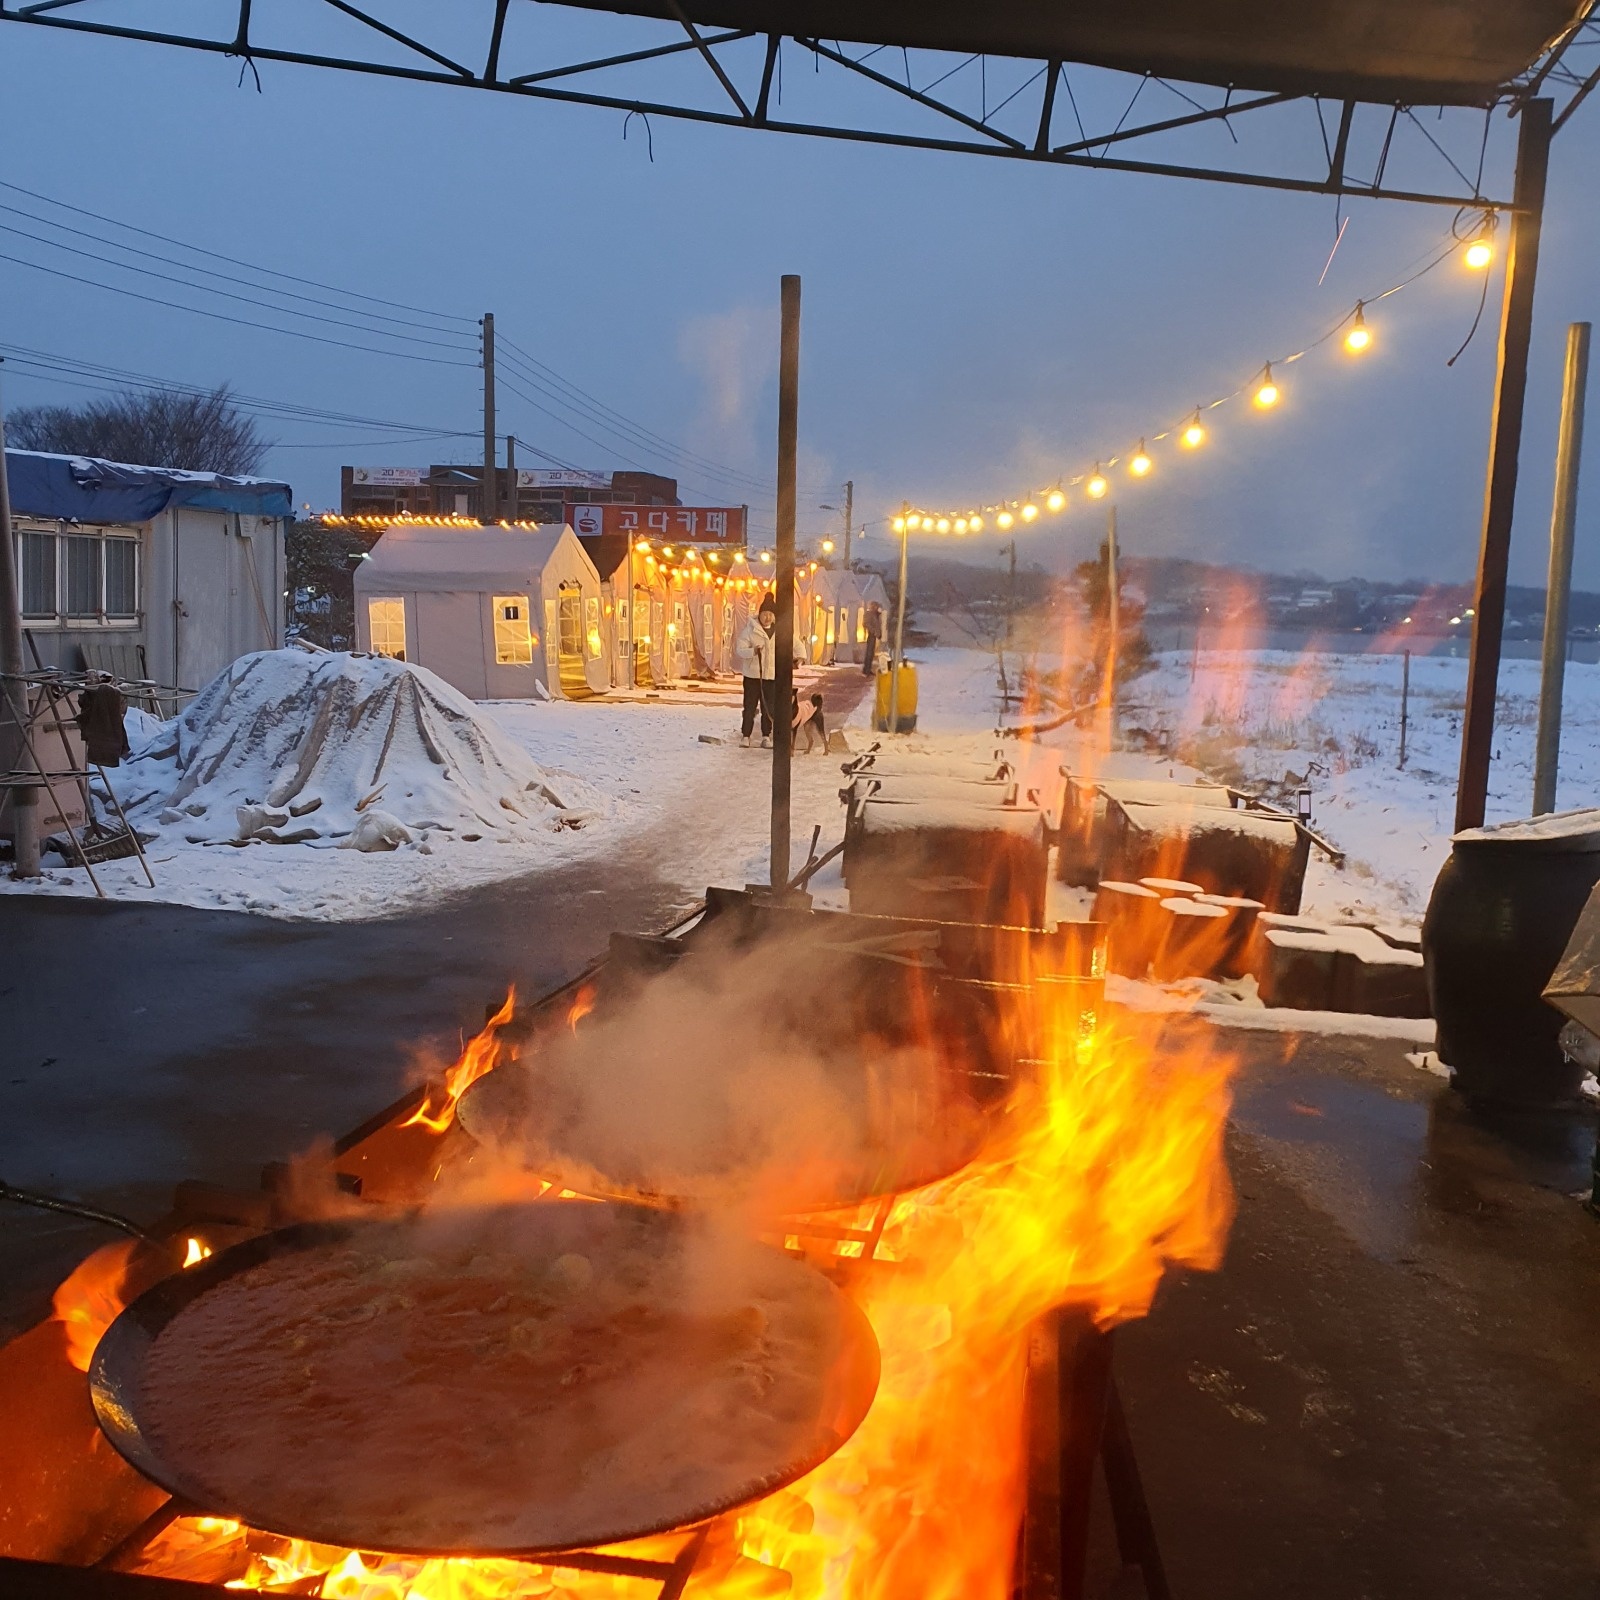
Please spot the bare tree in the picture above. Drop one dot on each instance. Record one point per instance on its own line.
(153, 428)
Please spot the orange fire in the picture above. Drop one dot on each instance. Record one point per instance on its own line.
(582, 1004)
(89, 1299)
(1107, 1170)
(480, 1056)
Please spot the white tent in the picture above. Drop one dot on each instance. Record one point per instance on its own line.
(502, 613)
(835, 617)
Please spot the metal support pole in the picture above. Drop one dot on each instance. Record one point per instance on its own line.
(489, 499)
(849, 519)
(1563, 517)
(1113, 625)
(1405, 702)
(1505, 439)
(783, 674)
(511, 477)
(24, 798)
(897, 655)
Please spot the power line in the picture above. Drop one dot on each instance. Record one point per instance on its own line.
(271, 272)
(218, 316)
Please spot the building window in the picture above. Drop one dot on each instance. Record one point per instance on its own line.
(386, 621)
(122, 578)
(513, 641)
(39, 575)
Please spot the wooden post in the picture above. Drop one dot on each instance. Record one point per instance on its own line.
(1558, 590)
(14, 744)
(1113, 625)
(1505, 439)
(489, 498)
(897, 654)
(1405, 702)
(783, 674)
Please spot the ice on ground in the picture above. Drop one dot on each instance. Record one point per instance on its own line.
(290, 748)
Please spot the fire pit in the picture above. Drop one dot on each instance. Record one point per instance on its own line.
(1103, 1168)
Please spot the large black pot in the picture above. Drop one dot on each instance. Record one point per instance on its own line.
(1502, 910)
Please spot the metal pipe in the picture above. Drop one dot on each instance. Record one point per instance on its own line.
(24, 798)
(1563, 517)
(1500, 488)
(783, 673)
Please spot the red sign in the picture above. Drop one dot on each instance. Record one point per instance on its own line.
(671, 524)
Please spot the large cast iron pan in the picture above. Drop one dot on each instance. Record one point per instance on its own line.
(119, 1368)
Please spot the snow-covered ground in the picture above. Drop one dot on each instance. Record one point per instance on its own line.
(654, 794)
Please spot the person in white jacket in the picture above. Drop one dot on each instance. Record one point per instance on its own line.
(758, 652)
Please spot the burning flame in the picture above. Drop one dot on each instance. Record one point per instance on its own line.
(1108, 1169)
(582, 1005)
(480, 1056)
(89, 1299)
(196, 1250)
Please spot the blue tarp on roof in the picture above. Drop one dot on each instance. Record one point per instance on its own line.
(83, 489)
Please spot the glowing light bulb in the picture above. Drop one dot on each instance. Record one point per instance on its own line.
(942, 525)
(1054, 500)
(961, 524)
(1266, 394)
(1141, 463)
(766, 555)
(913, 522)
(1097, 485)
(1194, 435)
(1029, 512)
(827, 548)
(1359, 336)
(1479, 253)
(899, 524)
(975, 523)
(666, 549)
(1004, 520)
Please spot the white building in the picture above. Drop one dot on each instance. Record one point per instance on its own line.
(503, 613)
(148, 572)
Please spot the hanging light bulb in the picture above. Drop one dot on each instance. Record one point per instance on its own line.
(1004, 520)
(1097, 485)
(766, 555)
(899, 524)
(1359, 336)
(1194, 435)
(961, 524)
(1054, 500)
(1480, 250)
(1266, 394)
(913, 522)
(942, 525)
(975, 523)
(827, 548)
(1029, 511)
(1141, 463)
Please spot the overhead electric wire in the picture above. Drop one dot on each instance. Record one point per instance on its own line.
(210, 272)
(216, 255)
(243, 322)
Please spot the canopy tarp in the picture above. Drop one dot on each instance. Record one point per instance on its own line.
(1425, 52)
(86, 489)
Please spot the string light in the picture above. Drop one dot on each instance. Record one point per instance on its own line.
(1266, 395)
(899, 524)
(766, 555)
(1480, 251)
(1194, 435)
(1141, 463)
(1055, 500)
(1097, 485)
(942, 525)
(961, 524)
(975, 523)
(1004, 520)
(827, 547)
(1029, 512)
(1359, 336)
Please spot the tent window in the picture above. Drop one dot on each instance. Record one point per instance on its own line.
(591, 626)
(513, 641)
(386, 621)
(570, 640)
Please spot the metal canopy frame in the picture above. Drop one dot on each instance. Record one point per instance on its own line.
(1026, 125)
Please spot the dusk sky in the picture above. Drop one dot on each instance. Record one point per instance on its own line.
(972, 328)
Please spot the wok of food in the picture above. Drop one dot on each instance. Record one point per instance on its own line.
(485, 1380)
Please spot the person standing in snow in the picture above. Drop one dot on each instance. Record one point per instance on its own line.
(758, 651)
(874, 624)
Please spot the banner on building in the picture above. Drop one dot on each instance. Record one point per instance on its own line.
(561, 478)
(674, 524)
(388, 477)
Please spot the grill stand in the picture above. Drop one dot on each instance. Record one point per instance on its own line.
(1075, 1419)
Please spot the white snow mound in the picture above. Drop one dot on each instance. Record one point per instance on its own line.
(287, 748)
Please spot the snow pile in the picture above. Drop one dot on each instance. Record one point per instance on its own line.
(288, 748)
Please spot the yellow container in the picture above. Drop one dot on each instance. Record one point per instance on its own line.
(906, 707)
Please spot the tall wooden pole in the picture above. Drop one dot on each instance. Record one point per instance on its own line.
(783, 674)
(489, 500)
(849, 518)
(511, 477)
(1505, 439)
(13, 741)
(898, 652)
(1563, 517)
(1113, 624)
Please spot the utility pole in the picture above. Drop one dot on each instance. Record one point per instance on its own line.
(489, 501)
(849, 518)
(24, 798)
(1505, 439)
(1563, 516)
(511, 477)
(1113, 624)
(897, 655)
(1011, 603)
(783, 670)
